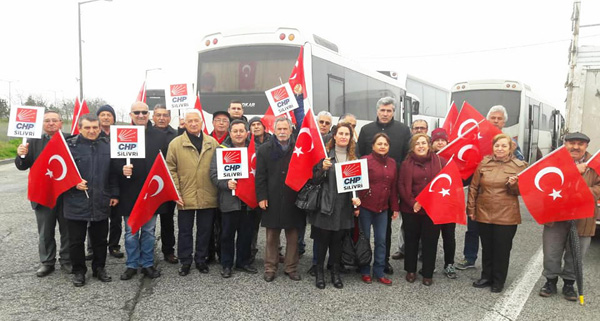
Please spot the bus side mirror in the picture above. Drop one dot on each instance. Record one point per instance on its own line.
(415, 108)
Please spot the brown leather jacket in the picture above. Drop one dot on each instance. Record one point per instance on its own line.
(491, 199)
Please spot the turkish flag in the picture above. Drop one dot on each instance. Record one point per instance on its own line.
(296, 79)
(247, 75)
(553, 189)
(246, 190)
(52, 173)
(444, 198)
(594, 162)
(450, 118)
(77, 112)
(487, 132)
(465, 152)
(467, 118)
(309, 150)
(198, 106)
(158, 188)
(142, 94)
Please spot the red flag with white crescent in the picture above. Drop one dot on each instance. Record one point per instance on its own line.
(450, 118)
(308, 151)
(52, 173)
(246, 190)
(444, 198)
(594, 162)
(142, 94)
(553, 189)
(465, 152)
(296, 80)
(158, 188)
(198, 106)
(467, 118)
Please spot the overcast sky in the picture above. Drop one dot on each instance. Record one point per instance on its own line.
(443, 42)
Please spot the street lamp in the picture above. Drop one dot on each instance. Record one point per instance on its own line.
(146, 74)
(9, 91)
(80, 55)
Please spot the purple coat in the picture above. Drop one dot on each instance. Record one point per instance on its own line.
(382, 193)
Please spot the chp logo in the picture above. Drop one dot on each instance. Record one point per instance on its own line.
(179, 93)
(127, 135)
(280, 96)
(352, 173)
(232, 160)
(26, 115)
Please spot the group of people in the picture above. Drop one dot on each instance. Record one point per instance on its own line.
(402, 161)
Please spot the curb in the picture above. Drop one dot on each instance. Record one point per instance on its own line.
(6, 161)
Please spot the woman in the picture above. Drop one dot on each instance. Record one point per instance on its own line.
(335, 214)
(381, 195)
(494, 205)
(417, 171)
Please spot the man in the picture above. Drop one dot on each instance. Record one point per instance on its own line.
(139, 246)
(419, 126)
(399, 134)
(236, 110)
(498, 116)
(324, 122)
(258, 130)
(106, 115)
(46, 217)
(235, 217)
(277, 200)
(189, 160)
(220, 123)
(558, 256)
(90, 204)
(162, 119)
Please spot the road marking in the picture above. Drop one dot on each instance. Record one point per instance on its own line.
(511, 303)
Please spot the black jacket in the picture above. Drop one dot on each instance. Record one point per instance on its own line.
(399, 135)
(94, 164)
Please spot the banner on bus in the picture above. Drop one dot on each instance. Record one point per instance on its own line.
(352, 176)
(281, 99)
(127, 142)
(232, 163)
(180, 96)
(26, 121)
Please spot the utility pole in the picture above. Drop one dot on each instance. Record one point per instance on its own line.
(571, 81)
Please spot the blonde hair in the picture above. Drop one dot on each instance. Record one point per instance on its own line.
(413, 141)
(498, 137)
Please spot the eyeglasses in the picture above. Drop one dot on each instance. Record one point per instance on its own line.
(324, 122)
(143, 112)
(222, 121)
(419, 128)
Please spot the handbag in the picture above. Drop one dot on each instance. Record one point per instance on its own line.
(309, 197)
(357, 253)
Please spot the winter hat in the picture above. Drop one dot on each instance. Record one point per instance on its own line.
(439, 133)
(256, 119)
(107, 108)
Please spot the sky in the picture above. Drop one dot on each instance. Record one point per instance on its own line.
(443, 42)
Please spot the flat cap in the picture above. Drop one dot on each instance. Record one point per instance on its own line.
(577, 136)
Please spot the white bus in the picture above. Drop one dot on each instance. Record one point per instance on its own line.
(531, 120)
(433, 101)
(242, 65)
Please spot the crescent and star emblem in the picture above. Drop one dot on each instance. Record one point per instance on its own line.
(298, 150)
(252, 168)
(465, 123)
(444, 192)
(62, 164)
(555, 194)
(462, 151)
(246, 70)
(160, 182)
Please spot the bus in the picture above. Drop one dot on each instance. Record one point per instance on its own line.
(532, 121)
(241, 65)
(433, 101)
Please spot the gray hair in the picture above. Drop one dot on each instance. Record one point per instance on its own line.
(386, 101)
(498, 108)
(285, 119)
(239, 121)
(89, 117)
(420, 121)
(324, 113)
(161, 106)
(194, 111)
(344, 116)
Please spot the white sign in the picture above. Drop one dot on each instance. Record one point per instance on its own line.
(180, 96)
(352, 176)
(26, 122)
(127, 141)
(281, 99)
(232, 163)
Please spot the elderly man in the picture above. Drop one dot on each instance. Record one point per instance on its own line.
(399, 134)
(46, 217)
(162, 119)
(558, 258)
(220, 123)
(139, 246)
(235, 215)
(498, 116)
(419, 126)
(91, 203)
(107, 117)
(324, 122)
(189, 160)
(277, 200)
(236, 110)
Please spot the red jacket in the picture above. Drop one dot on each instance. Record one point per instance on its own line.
(382, 193)
(415, 173)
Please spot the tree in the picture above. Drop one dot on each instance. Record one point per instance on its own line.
(4, 111)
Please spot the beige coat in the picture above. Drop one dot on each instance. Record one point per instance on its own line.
(191, 171)
(491, 199)
(587, 226)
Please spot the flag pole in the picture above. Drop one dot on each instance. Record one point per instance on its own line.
(24, 143)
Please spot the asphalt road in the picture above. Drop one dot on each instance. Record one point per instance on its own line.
(23, 296)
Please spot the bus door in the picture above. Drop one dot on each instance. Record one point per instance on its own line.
(336, 90)
(533, 153)
(556, 126)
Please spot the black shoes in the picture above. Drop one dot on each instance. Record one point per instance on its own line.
(388, 268)
(320, 277)
(150, 272)
(336, 280)
(497, 288)
(226, 272)
(568, 291)
(202, 267)
(101, 275)
(44, 270)
(116, 253)
(312, 271)
(128, 274)
(398, 256)
(171, 258)
(549, 287)
(482, 283)
(79, 279)
(247, 268)
(185, 269)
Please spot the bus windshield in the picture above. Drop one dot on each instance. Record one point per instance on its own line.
(483, 100)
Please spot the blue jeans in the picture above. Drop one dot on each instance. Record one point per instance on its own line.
(140, 246)
(471, 241)
(379, 222)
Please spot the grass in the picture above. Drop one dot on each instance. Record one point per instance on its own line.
(9, 149)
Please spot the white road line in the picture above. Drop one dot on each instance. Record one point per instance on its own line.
(509, 306)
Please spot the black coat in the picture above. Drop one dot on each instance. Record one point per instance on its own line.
(271, 170)
(399, 135)
(92, 159)
(156, 141)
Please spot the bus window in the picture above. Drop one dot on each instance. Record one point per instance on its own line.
(335, 89)
(483, 100)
